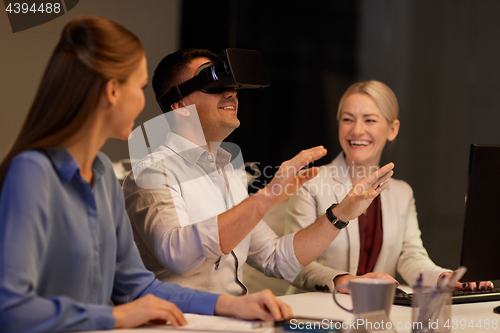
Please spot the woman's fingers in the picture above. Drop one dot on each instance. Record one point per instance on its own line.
(173, 314)
(385, 276)
(271, 303)
(374, 184)
(380, 176)
(482, 285)
(164, 310)
(286, 310)
(145, 309)
(382, 187)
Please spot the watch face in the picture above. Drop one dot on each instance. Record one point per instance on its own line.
(341, 224)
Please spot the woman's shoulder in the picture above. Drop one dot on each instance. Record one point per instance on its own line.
(30, 169)
(34, 159)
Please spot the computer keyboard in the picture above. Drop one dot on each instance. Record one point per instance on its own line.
(458, 297)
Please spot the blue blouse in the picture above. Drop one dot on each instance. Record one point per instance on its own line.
(66, 249)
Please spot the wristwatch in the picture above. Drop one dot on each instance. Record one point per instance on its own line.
(339, 224)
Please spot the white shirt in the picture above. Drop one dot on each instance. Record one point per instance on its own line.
(175, 225)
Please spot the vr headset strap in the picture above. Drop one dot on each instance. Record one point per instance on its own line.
(176, 93)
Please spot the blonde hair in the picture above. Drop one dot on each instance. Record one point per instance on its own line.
(383, 96)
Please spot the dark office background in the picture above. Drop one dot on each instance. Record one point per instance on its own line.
(440, 58)
(300, 46)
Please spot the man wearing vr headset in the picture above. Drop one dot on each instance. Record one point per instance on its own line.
(201, 227)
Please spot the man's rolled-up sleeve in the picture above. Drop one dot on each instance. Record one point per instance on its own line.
(158, 214)
(273, 255)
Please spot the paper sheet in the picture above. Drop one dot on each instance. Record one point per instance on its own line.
(199, 323)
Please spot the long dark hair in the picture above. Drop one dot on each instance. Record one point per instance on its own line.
(91, 51)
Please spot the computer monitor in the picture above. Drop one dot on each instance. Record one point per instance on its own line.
(481, 237)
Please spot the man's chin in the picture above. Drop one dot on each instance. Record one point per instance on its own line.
(233, 124)
(229, 128)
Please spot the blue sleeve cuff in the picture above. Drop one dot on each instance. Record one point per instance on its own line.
(101, 317)
(186, 299)
(203, 303)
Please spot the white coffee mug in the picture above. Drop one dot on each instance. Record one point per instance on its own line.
(369, 295)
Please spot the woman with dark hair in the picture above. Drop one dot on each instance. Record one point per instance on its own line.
(66, 245)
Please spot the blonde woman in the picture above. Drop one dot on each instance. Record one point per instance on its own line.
(386, 238)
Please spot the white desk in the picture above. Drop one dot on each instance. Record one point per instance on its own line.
(321, 305)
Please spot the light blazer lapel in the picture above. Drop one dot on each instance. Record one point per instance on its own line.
(388, 201)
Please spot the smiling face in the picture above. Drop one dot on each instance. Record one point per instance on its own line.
(130, 102)
(217, 112)
(364, 131)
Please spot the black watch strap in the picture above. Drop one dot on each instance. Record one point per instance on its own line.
(339, 224)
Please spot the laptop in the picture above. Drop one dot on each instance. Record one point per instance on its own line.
(480, 239)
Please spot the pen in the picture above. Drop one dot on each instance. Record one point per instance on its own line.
(444, 288)
(419, 281)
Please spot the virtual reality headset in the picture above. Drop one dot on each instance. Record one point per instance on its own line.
(233, 69)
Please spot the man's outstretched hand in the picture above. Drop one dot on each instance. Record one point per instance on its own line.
(290, 176)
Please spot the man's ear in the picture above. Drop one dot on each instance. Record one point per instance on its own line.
(178, 105)
(393, 130)
(111, 91)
